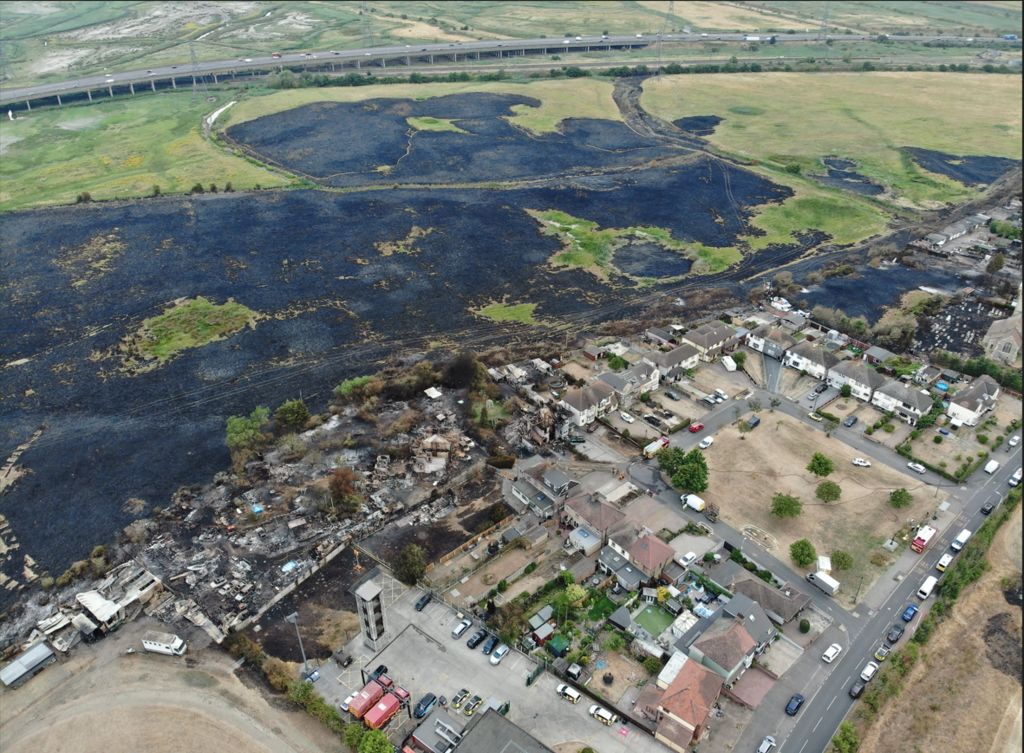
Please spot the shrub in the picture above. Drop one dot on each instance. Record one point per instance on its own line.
(841, 560)
(652, 664)
(937, 439)
(529, 568)
(805, 626)
(900, 498)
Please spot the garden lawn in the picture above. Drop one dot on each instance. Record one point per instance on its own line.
(654, 619)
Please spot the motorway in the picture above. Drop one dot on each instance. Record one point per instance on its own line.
(860, 632)
(404, 53)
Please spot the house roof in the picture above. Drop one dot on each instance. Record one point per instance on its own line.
(611, 559)
(860, 372)
(981, 394)
(726, 643)
(775, 334)
(650, 553)
(630, 577)
(814, 353)
(710, 334)
(793, 320)
(556, 478)
(670, 729)
(100, 607)
(1005, 328)
(771, 599)
(692, 694)
(920, 401)
(584, 398)
(598, 515)
(755, 620)
(660, 333)
(671, 358)
(879, 353)
(621, 618)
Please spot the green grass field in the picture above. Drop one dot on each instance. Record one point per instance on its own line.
(114, 149)
(190, 324)
(434, 124)
(507, 312)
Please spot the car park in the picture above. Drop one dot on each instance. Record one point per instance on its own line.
(849, 421)
(944, 562)
(489, 645)
(461, 628)
(882, 652)
(460, 698)
(706, 442)
(476, 639)
(869, 671)
(831, 653)
(626, 417)
(909, 613)
(602, 715)
(895, 633)
(424, 706)
(422, 602)
(856, 689)
(862, 463)
(795, 702)
(472, 705)
(499, 653)
(916, 467)
(694, 428)
(768, 743)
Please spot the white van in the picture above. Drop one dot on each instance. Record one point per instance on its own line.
(991, 466)
(960, 540)
(927, 587)
(569, 693)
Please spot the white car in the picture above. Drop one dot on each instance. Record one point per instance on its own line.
(461, 628)
(688, 559)
(706, 442)
(944, 562)
(626, 417)
(565, 41)
(916, 467)
(831, 653)
(869, 671)
(347, 702)
(603, 715)
(499, 653)
(1014, 440)
(768, 744)
(862, 463)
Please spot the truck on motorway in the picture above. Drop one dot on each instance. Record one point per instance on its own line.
(991, 466)
(751, 38)
(693, 502)
(163, 643)
(382, 712)
(924, 535)
(655, 447)
(365, 699)
(824, 581)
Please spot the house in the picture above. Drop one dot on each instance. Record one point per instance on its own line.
(631, 383)
(593, 352)
(711, 339)
(755, 620)
(536, 500)
(557, 480)
(587, 510)
(684, 708)
(490, 731)
(968, 405)
(650, 555)
(725, 648)
(770, 340)
(793, 321)
(810, 358)
(927, 375)
(875, 355)
(660, 336)
(674, 361)
(936, 240)
(1002, 342)
(907, 403)
(863, 380)
(779, 606)
(586, 404)
(582, 539)
(105, 613)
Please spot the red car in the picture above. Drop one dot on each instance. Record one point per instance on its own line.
(694, 428)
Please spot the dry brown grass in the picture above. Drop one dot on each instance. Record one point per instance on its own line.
(954, 699)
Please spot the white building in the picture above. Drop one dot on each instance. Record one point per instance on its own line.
(587, 404)
(810, 358)
(907, 403)
(863, 380)
(969, 405)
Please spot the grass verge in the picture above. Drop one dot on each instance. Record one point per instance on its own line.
(190, 324)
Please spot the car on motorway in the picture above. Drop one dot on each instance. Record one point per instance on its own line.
(109, 80)
(1014, 440)
(916, 467)
(831, 653)
(694, 428)
(849, 421)
(602, 715)
(795, 702)
(857, 689)
(895, 633)
(422, 602)
(499, 653)
(149, 72)
(424, 706)
(909, 613)
(626, 417)
(987, 508)
(565, 41)
(476, 639)
(706, 442)
(489, 645)
(869, 671)
(460, 698)
(275, 55)
(472, 705)
(944, 562)
(882, 652)
(768, 743)
(862, 463)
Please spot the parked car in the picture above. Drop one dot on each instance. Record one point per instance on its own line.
(653, 421)
(811, 396)
(862, 463)
(576, 439)
(489, 645)
(1014, 440)
(347, 702)
(849, 421)
(379, 672)
(795, 702)
(476, 639)
(909, 613)
(895, 633)
(767, 745)
(706, 442)
(593, 427)
(499, 653)
(815, 417)
(602, 715)
(422, 602)
(460, 698)
(472, 705)
(944, 432)
(821, 387)
(916, 467)
(426, 703)
(694, 428)
(626, 417)
(856, 689)
(869, 671)
(987, 508)
(568, 692)
(831, 653)
(882, 652)
(944, 562)
(688, 559)
(461, 628)
(671, 395)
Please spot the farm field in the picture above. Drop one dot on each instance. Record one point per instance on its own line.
(994, 16)
(746, 473)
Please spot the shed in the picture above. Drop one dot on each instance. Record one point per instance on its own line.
(620, 618)
(559, 645)
(26, 664)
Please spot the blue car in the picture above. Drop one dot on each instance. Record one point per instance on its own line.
(910, 612)
(794, 704)
(944, 432)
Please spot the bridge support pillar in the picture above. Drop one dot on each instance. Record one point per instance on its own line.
(28, 105)
(152, 84)
(88, 94)
(431, 59)
(131, 88)
(110, 91)
(358, 65)
(215, 78)
(408, 60)
(174, 84)
(59, 103)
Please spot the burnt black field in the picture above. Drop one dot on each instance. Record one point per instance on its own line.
(971, 171)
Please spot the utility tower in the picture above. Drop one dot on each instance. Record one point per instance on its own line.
(195, 72)
(364, 25)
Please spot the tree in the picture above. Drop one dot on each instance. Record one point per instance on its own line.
(354, 735)
(410, 564)
(246, 432)
(652, 664)
(820, 465)
(291, 415)
(842, 560)
(485, 418)
(845, 391)
(900, 498)
(774, 403)
(846, 740)
(671, 459)
(754, 405)
(375, 741)
(786, 506)
(343, 490)
(691, 478)
(802, 552)
(830, 426)
(829, 491)
(995, 263)
(740, 358)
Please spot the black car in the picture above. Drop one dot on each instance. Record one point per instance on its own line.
(423, 601)
(490, 644)
(477, 638)
(671, 395)
(987, 508)
(379, 672)
(426, 703)
(895, 633)
(856, 689)
(819, 389)
(653, 421)
(794, 704)
(849, 421)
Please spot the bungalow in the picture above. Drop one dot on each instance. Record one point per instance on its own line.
(725, 648)
(631, 383)
(660, 336)
(969, 405)
(586, 404)
(673, 361)
(1002, 342)
(793, 321)
(810, 358)
(650, 555)
(779, 606)
(936, 240)
(711, 339)
(772, 341)
(683, 711)
(863, 380)
(909, 404)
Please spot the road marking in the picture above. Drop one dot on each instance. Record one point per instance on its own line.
(803, 746)
(831, 702)
(815, 728)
